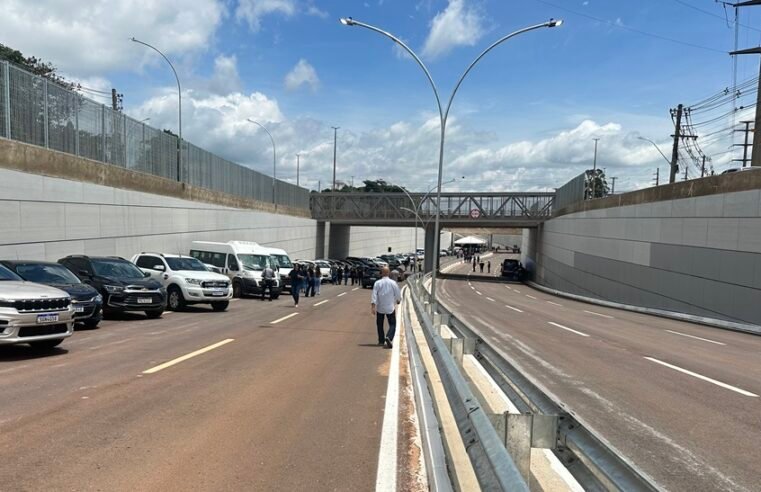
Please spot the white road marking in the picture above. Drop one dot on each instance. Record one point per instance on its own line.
(479, 293)
(490, 299)
(567, 329)
(185, 357)
(517, 291)
(341, 294)
(385, 479)
(530, 297)
(321, 302)
(508, 287)
(166, 312)
(704, 378)
(599, 314)
(472, 288)
(513, 308)
(284, 318)
(554, 304)
(696, 338)
(355, 288)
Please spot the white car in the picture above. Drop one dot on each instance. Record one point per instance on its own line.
(187, 280)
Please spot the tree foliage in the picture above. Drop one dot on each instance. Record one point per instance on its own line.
(35, 65)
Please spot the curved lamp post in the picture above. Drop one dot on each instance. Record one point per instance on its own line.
(274, 156)
(417, 206)
(656, 148)
(179, 103)
(443, 111)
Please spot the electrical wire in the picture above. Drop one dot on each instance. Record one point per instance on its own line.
(724, 17)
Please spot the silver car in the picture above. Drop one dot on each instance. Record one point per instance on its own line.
(32, 313)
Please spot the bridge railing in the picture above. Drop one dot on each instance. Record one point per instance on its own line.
(454, 206)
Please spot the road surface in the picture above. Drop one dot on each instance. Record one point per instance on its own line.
(292, 405)
(680, 400)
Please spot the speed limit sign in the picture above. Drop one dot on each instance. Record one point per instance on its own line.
(475, 213)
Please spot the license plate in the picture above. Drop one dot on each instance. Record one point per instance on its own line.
(47, 318)
(144, 300)
(217, 293)
(79, 309)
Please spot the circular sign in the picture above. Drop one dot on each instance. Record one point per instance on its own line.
(475, 213)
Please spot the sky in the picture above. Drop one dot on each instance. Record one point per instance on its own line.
(523, 120)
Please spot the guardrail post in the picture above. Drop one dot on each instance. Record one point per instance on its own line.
(457, 349)
(544, 431)
(515, 431)
(437, 322)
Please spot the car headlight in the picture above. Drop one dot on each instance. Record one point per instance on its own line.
(114, 289)
(97, 299)
(193, 281)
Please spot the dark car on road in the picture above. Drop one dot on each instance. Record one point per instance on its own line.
(370, 276)
(513, 270)
(85, 300)
(122, 284)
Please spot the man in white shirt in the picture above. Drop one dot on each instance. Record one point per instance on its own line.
(386, 295)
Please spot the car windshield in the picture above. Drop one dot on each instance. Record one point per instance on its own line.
(6, 274)
(283, 261)
(116, 268)
(46, 274)
(255, 262)
(185, 264)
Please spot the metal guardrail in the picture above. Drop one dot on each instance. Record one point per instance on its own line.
(593, 462)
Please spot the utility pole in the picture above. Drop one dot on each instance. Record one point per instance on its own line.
(594, 162)
(114, 102)
(744, 145)
(756, 154)
(352, 182)
(677, 135)
(298, 164)
(613, 185)
(657, 176)
(319, 186)
(703, 167)
(686, 167)
(335, 141)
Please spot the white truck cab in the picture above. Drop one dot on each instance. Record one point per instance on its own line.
(284, 263)
(186, 280)
(242, 261)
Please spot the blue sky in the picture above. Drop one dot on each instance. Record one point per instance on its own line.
(523, 120)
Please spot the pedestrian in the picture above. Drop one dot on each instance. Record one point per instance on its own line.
(353, 274)
(488, 266)
(346, 275)
(317, 280)
(339, 276)
(360, 275)
(309, 291)
(386, 295)
(474, 264)
(394, 275)
(481, 264)
(296, 279)
(268, 281)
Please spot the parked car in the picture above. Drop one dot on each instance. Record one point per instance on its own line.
(37, 314)
(186, 280)
(391, 260)
(513, 270)
(123, 285)
(86, 301)
(284, 264)
(371, 275)
(242, 261)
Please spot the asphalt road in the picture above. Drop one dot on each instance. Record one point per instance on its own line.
(296, 405)
(678, 399)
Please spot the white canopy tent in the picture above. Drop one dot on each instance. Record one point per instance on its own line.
(470, 241)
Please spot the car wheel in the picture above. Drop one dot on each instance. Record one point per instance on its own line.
(175, 301)
(46, 344)
(237, 291)
(154, 313)
(275, 296)
(220, 306)
(91, 324)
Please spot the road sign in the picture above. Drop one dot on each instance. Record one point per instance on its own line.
(475, 213)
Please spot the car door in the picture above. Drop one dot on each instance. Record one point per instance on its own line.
(149, 263)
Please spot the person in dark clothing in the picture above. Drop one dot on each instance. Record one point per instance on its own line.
(474, 264)
(360, 275)
(296, 278)
(353, 275)
(268, 281)
(488, 266)
(338, 276)
(481, 264)
(310, 283)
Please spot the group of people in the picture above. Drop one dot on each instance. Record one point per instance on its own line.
(477, 261)
(340, 273)
(305, 280)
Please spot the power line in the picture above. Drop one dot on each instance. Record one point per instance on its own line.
(722, 17)
(627, 28)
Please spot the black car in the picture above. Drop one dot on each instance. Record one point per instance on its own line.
(86, 300)
(122, 284)
(370, 276)
(513, 270)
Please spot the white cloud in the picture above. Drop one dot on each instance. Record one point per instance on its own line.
(457, 25)
(226, 78)
(252, 11)
(302, 74)
(92, 37)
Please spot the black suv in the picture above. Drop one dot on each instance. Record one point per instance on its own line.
(85, 299)
(370, 276)
(122, 284)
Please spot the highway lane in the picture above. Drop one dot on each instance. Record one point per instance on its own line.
(296, 405)
(676, 398)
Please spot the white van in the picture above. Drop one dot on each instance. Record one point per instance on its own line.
(242, 261)
(284, 263)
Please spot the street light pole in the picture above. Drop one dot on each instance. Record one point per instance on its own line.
(298, 163)
(274, 158)
(656, 148)
(179, 104)
(443, 112)
(335, 141)
(594, 162)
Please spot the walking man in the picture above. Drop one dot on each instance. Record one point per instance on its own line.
(488, 266)
(268, 277)
(482, 266)
(309, 292)
(386, 295)
(296, 279)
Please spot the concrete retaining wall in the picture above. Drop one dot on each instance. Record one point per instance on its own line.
(698, 255)
(44, 217)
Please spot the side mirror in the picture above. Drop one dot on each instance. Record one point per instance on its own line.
(146, 274)
(233, 268)
(84, 273)
(160, 268)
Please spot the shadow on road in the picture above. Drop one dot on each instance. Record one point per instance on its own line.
(14, 353)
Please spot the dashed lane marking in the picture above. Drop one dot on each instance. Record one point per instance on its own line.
(479, 293)
(321, 303)
(355, 288)
(599, 314)
(513, 308)
(284, 318)
(554, 304)
(530, 297)
(185, 357)
(696, 338)
(557, 325)
(490, 299)
(703, 378)
(341, 294)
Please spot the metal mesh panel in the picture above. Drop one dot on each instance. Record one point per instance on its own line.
(62, 119)
(167, 165)
(90, 129)
(135, 149)
(114, 129)
(3, 102)
(28, 108)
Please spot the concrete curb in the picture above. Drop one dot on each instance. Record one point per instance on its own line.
(691, 318)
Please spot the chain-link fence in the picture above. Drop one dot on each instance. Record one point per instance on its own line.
(38, 112)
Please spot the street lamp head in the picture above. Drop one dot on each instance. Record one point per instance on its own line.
(555, 23)
(347, 21)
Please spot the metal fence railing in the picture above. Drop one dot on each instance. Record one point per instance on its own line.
(37, 111)
(571, 192)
